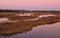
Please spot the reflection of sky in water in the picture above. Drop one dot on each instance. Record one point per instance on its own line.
(41, 16)
(29, 14)
(6, 20)
(2, 20)
(43, 31)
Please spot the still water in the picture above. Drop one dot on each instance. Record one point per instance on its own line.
(40, 31)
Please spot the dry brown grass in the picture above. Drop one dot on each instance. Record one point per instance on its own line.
(23, 26)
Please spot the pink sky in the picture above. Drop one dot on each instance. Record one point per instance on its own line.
(30, 4)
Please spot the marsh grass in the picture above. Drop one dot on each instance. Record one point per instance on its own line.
(23, 26)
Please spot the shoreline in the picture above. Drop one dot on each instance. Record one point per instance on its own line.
(23, 26)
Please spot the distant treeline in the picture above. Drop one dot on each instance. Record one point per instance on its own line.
(6, 10)
(10, 10)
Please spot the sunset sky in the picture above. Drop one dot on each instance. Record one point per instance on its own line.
(30, 4)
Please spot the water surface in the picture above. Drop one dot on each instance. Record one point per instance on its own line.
(38, 16)
(6, 20)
